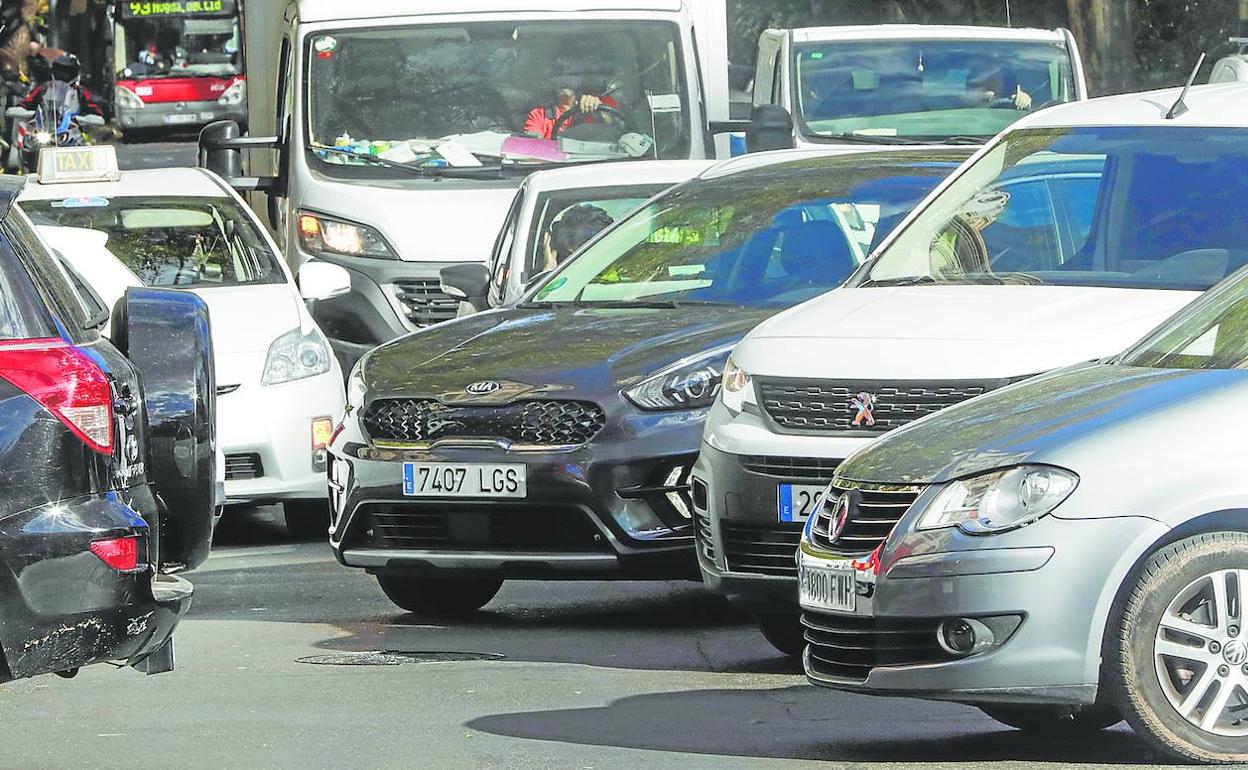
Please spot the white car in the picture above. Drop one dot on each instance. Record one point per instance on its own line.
(1066, 238)
(544, 225)
(279, 387)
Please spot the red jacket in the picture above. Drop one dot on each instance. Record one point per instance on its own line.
(541, 120)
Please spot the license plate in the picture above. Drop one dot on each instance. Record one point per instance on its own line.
(826, 586)
(798, 501)
(464, 480)
(176, 119)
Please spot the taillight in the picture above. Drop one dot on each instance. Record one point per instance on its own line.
(66, 382)
(120, 553)
(322, 435)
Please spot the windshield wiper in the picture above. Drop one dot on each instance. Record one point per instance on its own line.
(872, 139)
(962, 140)
(909, 280)
(612, 304)
(457, 173)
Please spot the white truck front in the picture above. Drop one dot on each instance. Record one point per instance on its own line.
(402, 134)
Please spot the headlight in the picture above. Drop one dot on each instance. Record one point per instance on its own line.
(296, 355)
(690, 383)
(321, 235)
(738, 388)
(999, 501)
(43, 137)
(129, 99)
(235, 94)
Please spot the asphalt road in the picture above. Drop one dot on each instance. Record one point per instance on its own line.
(144, 152)
(575, 675)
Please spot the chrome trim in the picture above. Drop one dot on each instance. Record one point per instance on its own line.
(382, 558)
(227, 389)
(473, 443)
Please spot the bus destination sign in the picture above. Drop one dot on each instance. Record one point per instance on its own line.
(146, 9)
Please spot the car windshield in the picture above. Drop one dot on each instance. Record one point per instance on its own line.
(1132, 207)
(772, 236)
(170, 242)
(443, 94)
(566, 220)
(925, 89)
(152, 47)
(1211, 333)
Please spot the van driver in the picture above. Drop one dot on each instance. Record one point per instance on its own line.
(541, 121)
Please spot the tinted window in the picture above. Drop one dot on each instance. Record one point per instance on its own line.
(48, 274)
(171, 242)
(22, 313)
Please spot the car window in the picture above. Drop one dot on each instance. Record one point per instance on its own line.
(48, 274)
(1147, 207)
(500, 259)
(566, 220)
(171, 242)
(22, 313)
(1210, 333)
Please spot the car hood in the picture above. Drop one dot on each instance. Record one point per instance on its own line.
(1048, 419)
(246, 319)
(584, 352)
(953, 332)
(425, 220)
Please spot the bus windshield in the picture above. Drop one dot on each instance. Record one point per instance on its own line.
(465, 94)
(178, 43)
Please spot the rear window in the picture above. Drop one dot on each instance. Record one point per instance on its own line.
(22, 314)
(171, 242)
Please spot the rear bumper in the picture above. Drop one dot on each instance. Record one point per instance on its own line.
(177, 115)
(62, 608)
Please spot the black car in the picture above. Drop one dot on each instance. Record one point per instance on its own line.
(107, 462)
(554, 439)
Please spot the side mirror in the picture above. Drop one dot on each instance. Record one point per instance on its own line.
(323, 280)
(226, 162)
(90, 120)
(469, 282)
(19, 113)
(771, 128)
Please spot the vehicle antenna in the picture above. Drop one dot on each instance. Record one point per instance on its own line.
(1009, 22)
(1180, 106)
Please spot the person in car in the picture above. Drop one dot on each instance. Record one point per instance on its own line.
(572, 230)
(991, 83)
(66, 69)
(541, 120)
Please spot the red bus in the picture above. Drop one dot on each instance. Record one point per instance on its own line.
(179, 64)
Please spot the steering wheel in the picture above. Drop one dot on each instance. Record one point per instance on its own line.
(564, 121)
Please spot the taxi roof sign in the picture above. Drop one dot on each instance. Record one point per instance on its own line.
(60, 165)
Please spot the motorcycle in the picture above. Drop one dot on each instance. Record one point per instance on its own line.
(55, 122)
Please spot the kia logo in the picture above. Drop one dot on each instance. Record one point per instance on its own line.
(483, 388)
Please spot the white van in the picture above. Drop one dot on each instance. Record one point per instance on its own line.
(909, 83)
(390, 137)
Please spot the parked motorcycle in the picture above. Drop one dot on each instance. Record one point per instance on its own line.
(55, 122)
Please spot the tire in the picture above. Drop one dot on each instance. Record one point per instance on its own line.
(167, 336)
(439, 596)
(784, 632)
(307, 519)
(1172, 658)
(1054, 721)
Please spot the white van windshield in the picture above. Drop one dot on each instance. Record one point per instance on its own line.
(1134, 207)
(445, 94)
(926, 89)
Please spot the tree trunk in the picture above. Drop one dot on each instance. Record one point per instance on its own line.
(1105, 32)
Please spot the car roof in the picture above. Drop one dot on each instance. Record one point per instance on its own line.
(337, 10)
(923, 32)
(599, 175)
(764, 160)
(145, 183)
(1221, 105)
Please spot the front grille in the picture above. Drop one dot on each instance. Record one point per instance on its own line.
(243, 466)
(536, 423)
(874, 510)
(848, 647)
(524, 528)
(763, 549)
(706, 541)
(828, 407)
(423, 301)
(817, 468)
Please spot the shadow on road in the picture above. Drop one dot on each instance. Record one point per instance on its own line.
(795, 723)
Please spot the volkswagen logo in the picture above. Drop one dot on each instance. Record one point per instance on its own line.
(483, 388)
(840, 517)
(1235, 652)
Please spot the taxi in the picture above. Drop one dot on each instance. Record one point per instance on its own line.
(279, 387)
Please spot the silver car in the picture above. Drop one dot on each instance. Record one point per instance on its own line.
(1071, 550)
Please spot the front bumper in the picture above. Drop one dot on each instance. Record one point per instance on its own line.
(265, 432)
(1057, 578)
(179, 115)
(745, 551)
(62, 608)
(597, 511)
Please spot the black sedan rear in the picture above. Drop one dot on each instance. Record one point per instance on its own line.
(554, 439)
(106, 489)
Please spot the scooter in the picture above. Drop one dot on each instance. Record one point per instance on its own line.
(56, 122)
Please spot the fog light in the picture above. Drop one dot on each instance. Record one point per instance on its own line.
(964, 636)
(322, 433)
